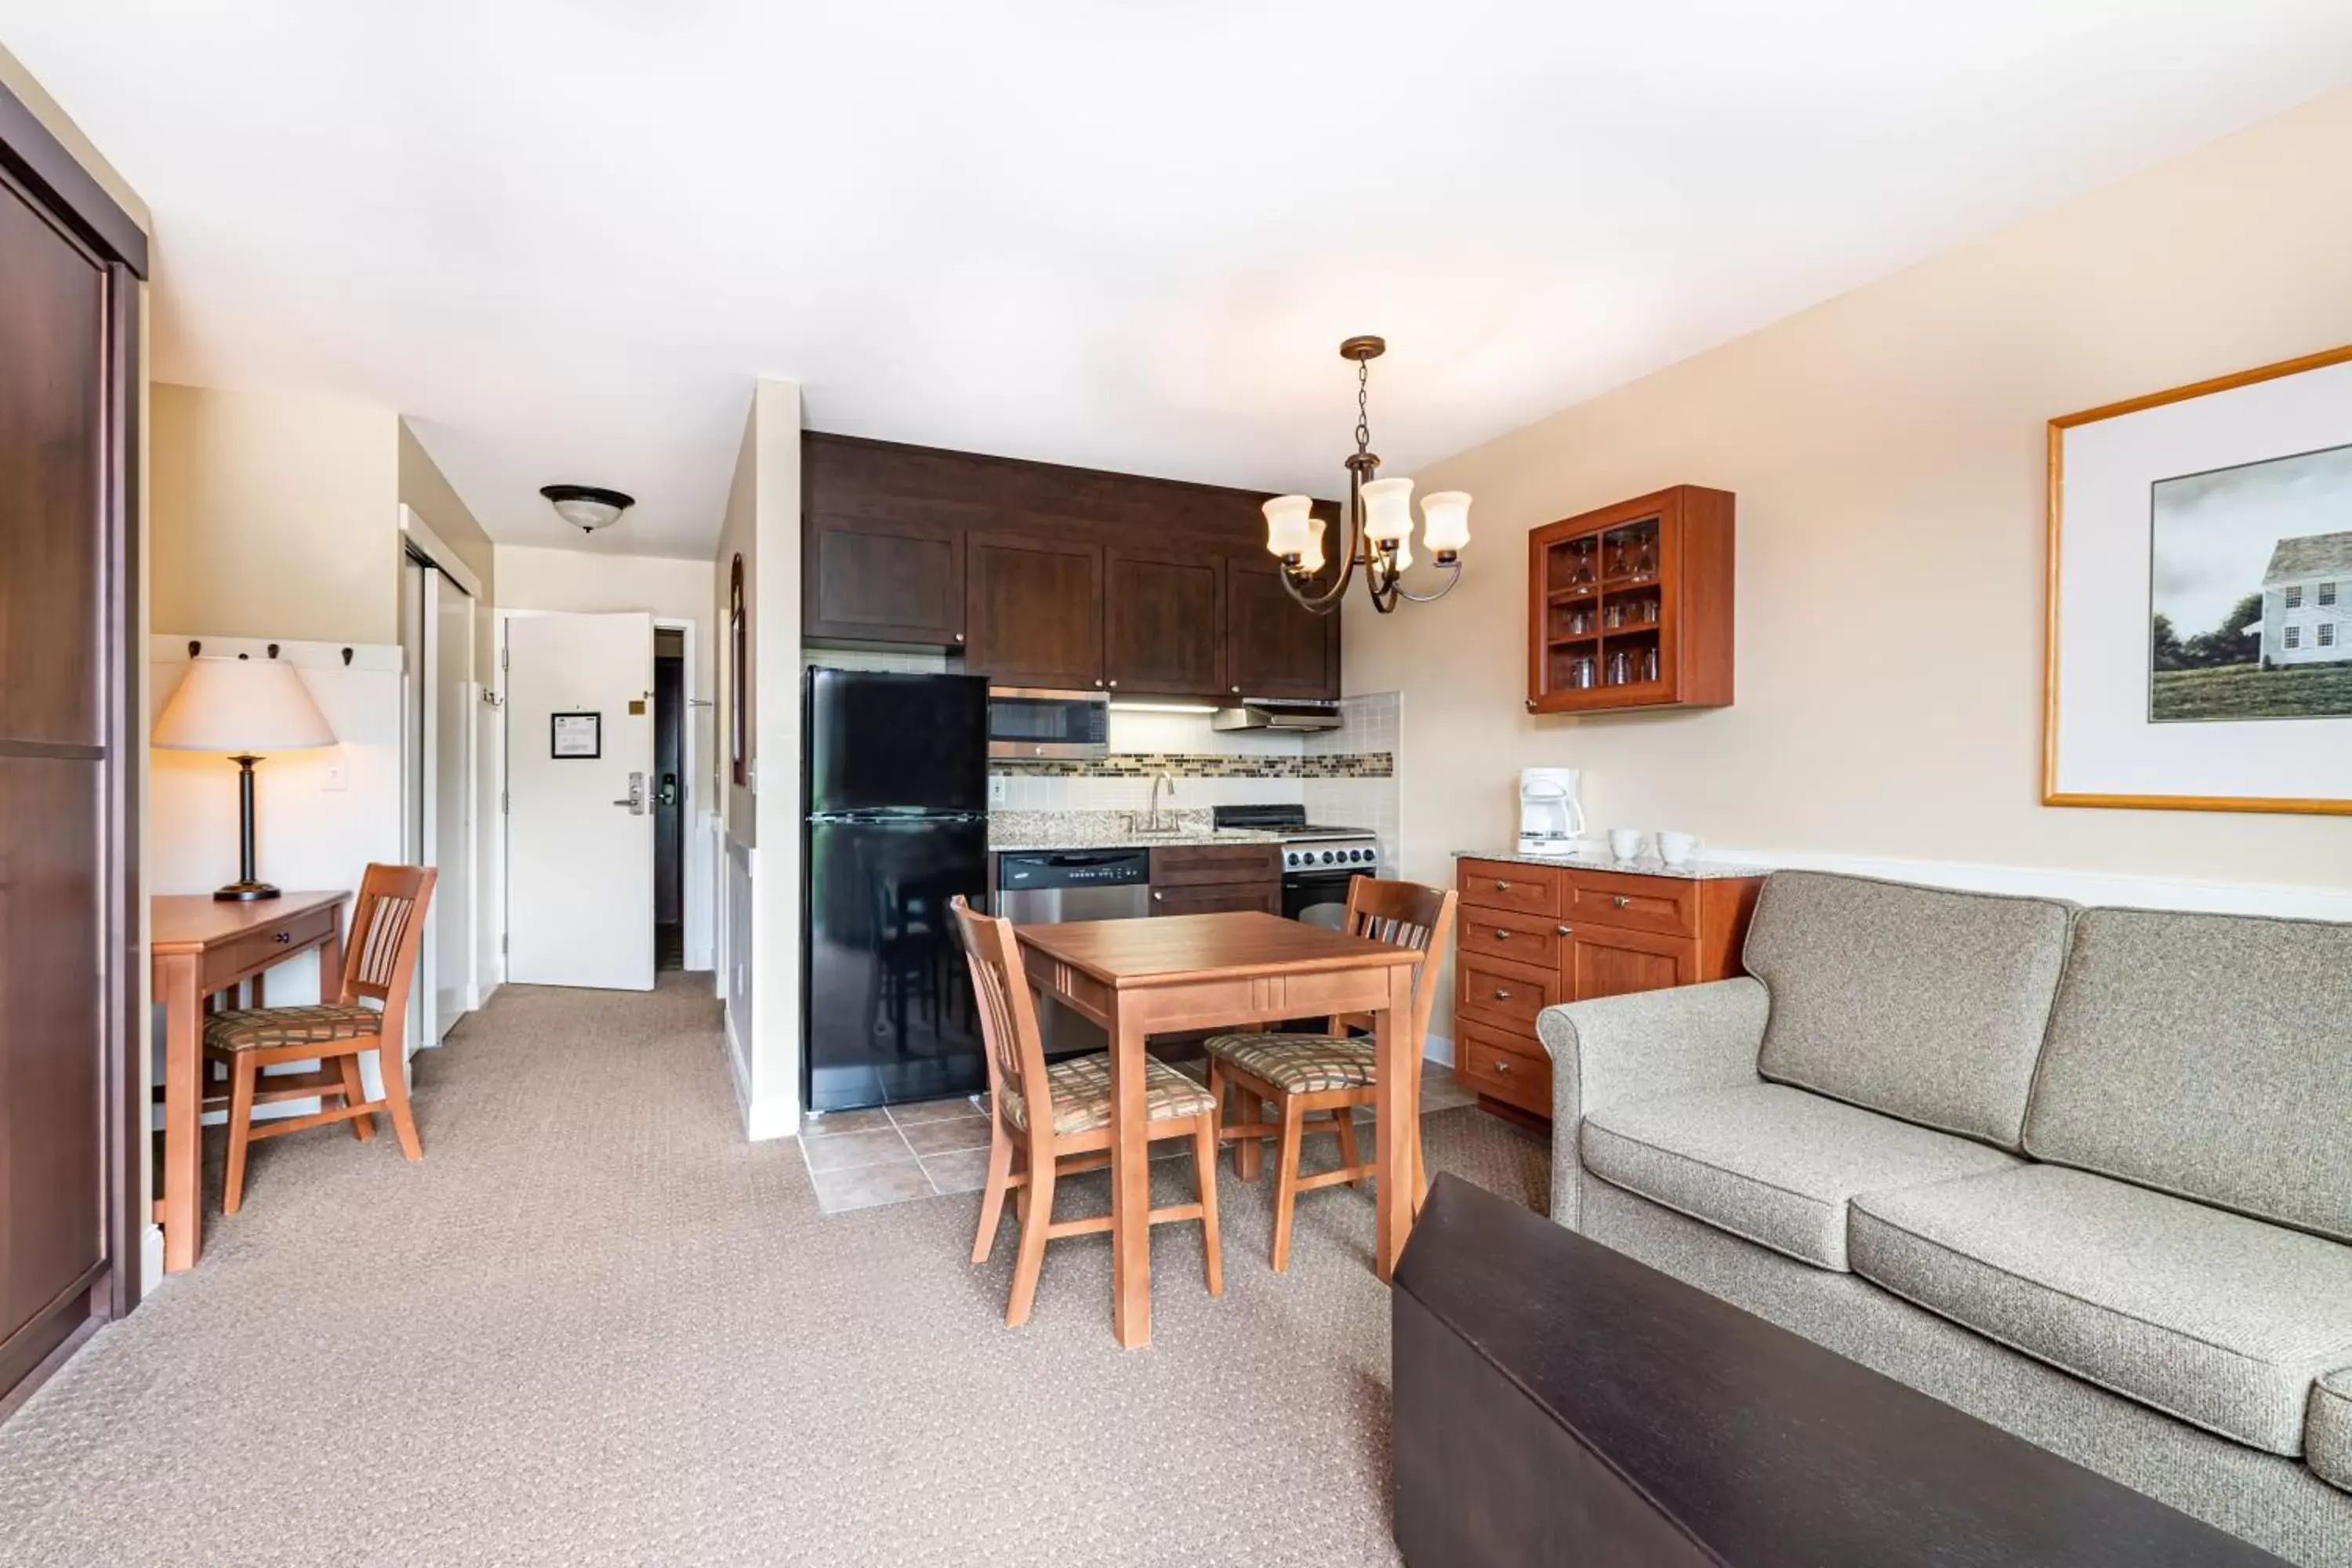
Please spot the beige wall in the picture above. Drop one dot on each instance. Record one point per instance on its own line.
(1887, 448)
(275, 515)
(739, 535)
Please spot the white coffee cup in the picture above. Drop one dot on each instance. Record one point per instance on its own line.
(1625, 843)
(1673, 849)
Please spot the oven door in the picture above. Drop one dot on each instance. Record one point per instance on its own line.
(1026, 723)
(1319, 897)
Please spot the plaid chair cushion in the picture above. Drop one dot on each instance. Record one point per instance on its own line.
(1298, 1064)
(1081, 1088)
(265, 1028)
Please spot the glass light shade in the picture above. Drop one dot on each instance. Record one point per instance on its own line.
(1404, 553)
(1310, 560)
(1445, 520)
(1285, 524)
(241, 705)
(1388, 510)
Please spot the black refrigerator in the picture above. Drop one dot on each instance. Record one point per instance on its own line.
(895, 782)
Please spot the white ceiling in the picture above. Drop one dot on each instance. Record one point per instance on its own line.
(564, 236)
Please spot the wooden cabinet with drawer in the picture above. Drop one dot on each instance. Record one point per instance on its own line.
(1216, 878)
(1534, 935)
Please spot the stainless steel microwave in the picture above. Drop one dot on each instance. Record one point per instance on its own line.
(1023, 722)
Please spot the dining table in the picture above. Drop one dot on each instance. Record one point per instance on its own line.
(1169, 973)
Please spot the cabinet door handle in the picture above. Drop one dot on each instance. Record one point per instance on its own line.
(1159, 898)
(1563, 930)
(282, 938)
(1621, 901)
(959, 636)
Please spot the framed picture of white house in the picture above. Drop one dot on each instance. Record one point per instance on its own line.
(2200, 648)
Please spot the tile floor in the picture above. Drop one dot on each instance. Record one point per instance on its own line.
(896, 1154)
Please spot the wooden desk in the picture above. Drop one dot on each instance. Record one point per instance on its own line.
(1141, 977)
(201, 946)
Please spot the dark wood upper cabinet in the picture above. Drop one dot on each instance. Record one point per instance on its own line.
(1273, 647)
(1163, 623)
(1034, 610)
(883, 581)
(1054, 577)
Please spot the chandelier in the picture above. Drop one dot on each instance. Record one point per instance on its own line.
(1376, 532)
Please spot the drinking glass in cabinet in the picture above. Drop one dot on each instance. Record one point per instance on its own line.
(1581, 672)
(1614, 616)
(1620, 668)
(1650, 664)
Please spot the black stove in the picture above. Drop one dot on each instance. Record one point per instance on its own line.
(1309, 850)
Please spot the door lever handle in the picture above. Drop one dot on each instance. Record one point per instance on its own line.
(635, 798)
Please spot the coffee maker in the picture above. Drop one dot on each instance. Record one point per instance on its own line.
(1551, 822)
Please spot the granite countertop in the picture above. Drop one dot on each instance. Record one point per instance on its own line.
(1018, 832)
(1600, 860)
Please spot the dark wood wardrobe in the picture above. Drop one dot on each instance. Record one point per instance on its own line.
(72, 1088)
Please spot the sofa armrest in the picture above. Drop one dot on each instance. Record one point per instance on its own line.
(1617, 1048)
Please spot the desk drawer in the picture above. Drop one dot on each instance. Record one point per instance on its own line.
(1510, 1068)
(257, 950)
(1511, 934)
(1504, 885)
(1666, 905)
(1498, 991)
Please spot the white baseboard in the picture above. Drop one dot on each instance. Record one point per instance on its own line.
(2102, 887)
(1437, 1048)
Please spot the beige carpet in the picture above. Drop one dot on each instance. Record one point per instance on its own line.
(596, 1327)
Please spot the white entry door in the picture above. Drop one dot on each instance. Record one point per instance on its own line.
(580, 823)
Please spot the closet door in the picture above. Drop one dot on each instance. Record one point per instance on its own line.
(67, 1139)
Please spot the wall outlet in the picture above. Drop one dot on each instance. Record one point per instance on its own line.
(999, 789)
(335, 776)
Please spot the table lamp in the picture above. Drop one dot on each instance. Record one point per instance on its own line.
(244, 707)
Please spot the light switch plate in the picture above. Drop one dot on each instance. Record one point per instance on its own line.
(335, 776)
(999, 789)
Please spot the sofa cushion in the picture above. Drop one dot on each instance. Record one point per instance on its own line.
(2222, 1321)
(2327, 1444)
(2208, 1056)
(1922, 1003)
(1775, 1165)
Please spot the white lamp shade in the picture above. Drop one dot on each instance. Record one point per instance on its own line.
(1285, 524)
(1388, 510)
(242, 706)
(1310, 560)
(1445, 520)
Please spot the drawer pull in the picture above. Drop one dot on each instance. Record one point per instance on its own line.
(1501, 887)
(1502, 1065)
(283, 937)
(1621, 901)
(1501, 994)
(1502, 935)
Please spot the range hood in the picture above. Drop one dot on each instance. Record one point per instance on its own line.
(1263, 713)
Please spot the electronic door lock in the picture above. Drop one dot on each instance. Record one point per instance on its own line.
(635, 799)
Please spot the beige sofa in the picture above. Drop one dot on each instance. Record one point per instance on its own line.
(2084, 1173)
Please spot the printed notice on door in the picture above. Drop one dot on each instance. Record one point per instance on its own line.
(577, 734)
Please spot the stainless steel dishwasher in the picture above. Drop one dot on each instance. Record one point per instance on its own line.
(1049, 887)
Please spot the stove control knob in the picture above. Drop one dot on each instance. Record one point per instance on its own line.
(1326, 857)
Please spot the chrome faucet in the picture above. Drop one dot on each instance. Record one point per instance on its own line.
(1157, 822)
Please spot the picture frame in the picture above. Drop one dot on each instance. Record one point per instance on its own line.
(2198, 649)
(575, 736)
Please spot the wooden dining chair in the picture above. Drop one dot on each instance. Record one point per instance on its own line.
(379, 961)
(1047, 1123)
(1328, 1076)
